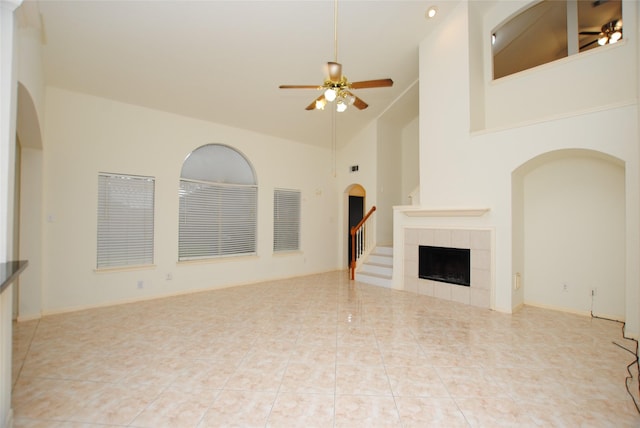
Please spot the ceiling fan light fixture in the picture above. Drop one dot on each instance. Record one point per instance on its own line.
(602, 39)
(320, 104)
(615, 36)
(336, 87)
(350, 98)
(330, 94)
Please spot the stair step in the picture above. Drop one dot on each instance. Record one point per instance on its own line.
(377, 268)
(380, 259)
(374, 279)
(383, 250)
(377, 275)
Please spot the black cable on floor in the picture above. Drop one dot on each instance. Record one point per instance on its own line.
(635, 361)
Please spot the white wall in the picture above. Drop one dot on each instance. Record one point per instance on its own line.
(389, 166)
(31, 73)
(398, 166)
(410, 165)
(30, 121)
(463, 170)
(30, 288)
(86, 135)
(593, 79)
(8, 89)
(361, 151)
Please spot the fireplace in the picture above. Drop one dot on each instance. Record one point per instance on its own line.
(444, 264)
(478, 246)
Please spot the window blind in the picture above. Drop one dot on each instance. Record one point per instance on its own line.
(216, 219)
(125, 220)
(286, 220)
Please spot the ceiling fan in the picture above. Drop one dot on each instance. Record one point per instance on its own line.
(610, 33)
(336, 87)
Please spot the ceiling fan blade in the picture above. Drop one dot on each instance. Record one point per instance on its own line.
(359, 104)
(380, 83)
(588, 44)
(300, 87)
(312, 106)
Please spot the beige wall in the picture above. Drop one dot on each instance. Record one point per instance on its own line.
(389, 177)
(410, 170)
(86, 135)
(574, 211)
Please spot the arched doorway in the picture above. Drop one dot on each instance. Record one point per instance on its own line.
(29, 206)
(356, 195)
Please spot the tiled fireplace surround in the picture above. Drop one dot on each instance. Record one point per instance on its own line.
(478, 241)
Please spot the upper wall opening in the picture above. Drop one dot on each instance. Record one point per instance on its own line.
(550, 30)
(572, 85)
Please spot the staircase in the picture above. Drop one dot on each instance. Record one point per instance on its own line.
(377, 269)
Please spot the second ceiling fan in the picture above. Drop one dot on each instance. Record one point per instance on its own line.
(336, 87)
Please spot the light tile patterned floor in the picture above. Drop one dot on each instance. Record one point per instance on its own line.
(319, 351)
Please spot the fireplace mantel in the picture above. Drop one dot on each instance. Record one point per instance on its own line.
(416, 211)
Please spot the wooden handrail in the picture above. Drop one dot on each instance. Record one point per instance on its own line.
(353, 232)
(355, 228)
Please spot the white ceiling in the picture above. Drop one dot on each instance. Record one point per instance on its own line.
(222, 61)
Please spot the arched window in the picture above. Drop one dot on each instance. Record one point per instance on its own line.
(218, 204)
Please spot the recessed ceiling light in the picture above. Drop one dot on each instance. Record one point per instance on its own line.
(431, 12)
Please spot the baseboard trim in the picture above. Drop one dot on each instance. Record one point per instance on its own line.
(66, 310)
(8, 421)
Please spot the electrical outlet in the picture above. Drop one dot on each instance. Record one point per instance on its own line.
(594, 292)
(169, 276)
(565, 287)
(517, 281)
(140, 284)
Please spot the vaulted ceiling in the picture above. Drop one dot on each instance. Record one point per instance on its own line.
(222, 61)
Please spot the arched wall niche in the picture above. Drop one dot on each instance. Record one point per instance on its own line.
(568, 211)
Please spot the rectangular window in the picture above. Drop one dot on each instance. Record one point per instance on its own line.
(286, 220)
(125, 220)
(216, 220)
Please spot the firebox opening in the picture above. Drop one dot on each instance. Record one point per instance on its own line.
(451, 265)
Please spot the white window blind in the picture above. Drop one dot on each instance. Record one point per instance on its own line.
(286, 220)
(216, 219)
(125, 220)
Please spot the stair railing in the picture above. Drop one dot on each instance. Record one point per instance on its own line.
(361, 240)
